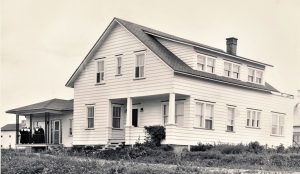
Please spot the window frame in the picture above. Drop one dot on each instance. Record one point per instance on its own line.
(165, 112)
(136, 65)
(232, 120)
(88, 116)
(252, 120)
(177, 115)
(231, 70)
(278, 125)
(119, 118)
(119, 64)
(205, 68)
(100, 72)
(254, 80)
(204, 115)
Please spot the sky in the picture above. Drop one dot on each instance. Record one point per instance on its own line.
(43, 41)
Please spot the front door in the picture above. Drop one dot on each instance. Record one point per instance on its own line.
(56, 132)
(135, 117)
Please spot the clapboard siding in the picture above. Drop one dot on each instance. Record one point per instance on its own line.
(243, 99)
(158, 78)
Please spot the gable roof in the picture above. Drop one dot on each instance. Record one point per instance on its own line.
(51, 106)
(10, 127)
(148, 37)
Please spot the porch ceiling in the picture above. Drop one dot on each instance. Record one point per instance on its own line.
(162, 97)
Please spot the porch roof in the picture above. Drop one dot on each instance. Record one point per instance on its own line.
(55, 106)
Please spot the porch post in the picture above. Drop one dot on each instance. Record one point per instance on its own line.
(17, 129)
(46, 127)
(171, 117)
(30, 133)
(129, 112)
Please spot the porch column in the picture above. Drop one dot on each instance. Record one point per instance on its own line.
(129, 112)
(30, 123)
(17, 129)
(171, 117)
(46, 127)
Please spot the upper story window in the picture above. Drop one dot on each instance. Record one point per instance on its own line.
(210, 65)
(119, 66)
(255, 76)
(204, 115)
(139, 65)
(205, 63)
(277, 124)
(100, 71)
(231, 70)
(90, 116)
(253, 118)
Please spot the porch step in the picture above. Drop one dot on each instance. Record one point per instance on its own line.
(113, 145)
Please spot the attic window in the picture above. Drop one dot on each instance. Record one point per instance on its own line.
(255, 76)
(139, 65)
(205, 63)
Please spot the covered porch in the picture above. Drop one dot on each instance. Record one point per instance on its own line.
(129, 116)
(46, 123)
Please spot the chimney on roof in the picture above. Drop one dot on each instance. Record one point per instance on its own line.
(231, 45)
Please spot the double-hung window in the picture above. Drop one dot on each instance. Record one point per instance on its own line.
(100, 71)
(277, 124)
(259, 76)
(165, 112)
(210, 65)
(201, 62)
(119, 65)
(90, 116)
(230, 119)
(204, 115)
(116, 117)
(231, 70)
(235, 71)
(227, 69)
(255, 76)
(179, 113)
(251, 75)
(139, 65)
(253, 118)
(205, 63)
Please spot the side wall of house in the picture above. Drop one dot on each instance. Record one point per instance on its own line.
(158, 79)
(223, 95)
(8, 139)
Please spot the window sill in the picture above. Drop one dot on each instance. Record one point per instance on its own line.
(230, 131)
(89, 129)
(203, 128)
(274, 135)
(118, 75)
(117, 129)
(139, 78)
(252, 127)
(102, 83)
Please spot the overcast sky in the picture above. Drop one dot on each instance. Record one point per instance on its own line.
(43, 41)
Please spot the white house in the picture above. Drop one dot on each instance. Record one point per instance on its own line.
(8, 136)
(135, 76)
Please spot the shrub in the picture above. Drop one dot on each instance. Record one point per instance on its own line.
(280, 148)
(255, 147)
(155, 135)
(201, 147)
(231, 149)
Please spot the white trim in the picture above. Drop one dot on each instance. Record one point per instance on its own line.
(87, 116)
(204, 114)
(254, 76)
(256, 111)
(206, 57)
(117, 64)
(231, 69)
(135, 64)
(100, 72)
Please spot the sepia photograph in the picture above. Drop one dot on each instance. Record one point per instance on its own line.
(149, 86)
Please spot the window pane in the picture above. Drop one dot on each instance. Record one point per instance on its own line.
(227, 66)
(179, 109)
(201, 59)
(210, 62)
(90, 111)
(116, 122)
(142, 71)
(140, 60)
(197, 121)
(208, 124)
(251, 72)
(100, 66)
(236, 68)
(209, 111)
(90, 122)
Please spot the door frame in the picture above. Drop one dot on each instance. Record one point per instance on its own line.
(53, 130)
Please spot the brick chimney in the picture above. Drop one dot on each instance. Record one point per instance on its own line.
(231, 45)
